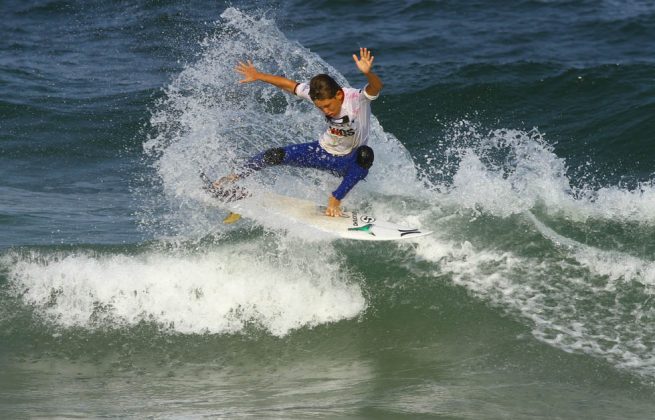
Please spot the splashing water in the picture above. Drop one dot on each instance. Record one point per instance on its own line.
(208, 121)
(507, 171)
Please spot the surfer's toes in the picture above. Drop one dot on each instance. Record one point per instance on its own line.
(228, 179)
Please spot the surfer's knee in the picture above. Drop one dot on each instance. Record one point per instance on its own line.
(274, 156)
(365, 157)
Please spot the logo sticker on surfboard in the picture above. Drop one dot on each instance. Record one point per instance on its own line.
(367, 219)
(365, 228)
(364, 218)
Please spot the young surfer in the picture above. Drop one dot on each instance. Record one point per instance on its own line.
(342, 149)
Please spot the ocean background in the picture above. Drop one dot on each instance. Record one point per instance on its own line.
(521, 132)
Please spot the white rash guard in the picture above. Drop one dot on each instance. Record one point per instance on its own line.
(350, 128)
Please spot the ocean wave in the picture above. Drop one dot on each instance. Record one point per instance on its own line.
(225, 290)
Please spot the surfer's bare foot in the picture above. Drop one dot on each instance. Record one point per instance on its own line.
(333, 208)
(228, 179)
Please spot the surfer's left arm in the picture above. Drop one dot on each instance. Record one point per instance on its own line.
(334, 207)
(364, 63)
(334, 201)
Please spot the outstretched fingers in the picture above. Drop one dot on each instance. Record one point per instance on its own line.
(247, 69)
(365, 60)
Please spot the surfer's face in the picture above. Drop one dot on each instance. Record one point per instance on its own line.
(330, 107)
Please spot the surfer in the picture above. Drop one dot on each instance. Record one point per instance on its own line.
(342, 149)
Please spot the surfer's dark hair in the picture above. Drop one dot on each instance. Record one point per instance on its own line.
(323, 86)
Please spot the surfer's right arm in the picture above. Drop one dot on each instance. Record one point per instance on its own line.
(251, 74)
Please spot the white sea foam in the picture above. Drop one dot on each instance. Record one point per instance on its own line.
(578, 304)
(614, 265)
(219, 291)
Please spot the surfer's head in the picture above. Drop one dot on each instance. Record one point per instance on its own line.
(326, 94)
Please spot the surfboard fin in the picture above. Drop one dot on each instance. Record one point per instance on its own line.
(231, 218)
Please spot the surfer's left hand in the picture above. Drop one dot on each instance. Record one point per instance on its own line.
(365, 60)
(333, 208)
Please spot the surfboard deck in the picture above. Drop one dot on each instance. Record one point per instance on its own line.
(351, 225)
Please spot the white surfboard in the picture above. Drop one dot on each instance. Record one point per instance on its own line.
(351, 225)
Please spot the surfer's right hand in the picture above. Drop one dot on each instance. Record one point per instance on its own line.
(248, 71)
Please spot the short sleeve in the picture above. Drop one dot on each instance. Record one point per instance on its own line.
(369, 97)
(302, 91)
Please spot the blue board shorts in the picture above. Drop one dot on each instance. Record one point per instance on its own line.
(312, 155)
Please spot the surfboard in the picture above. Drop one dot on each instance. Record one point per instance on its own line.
(351, 225)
